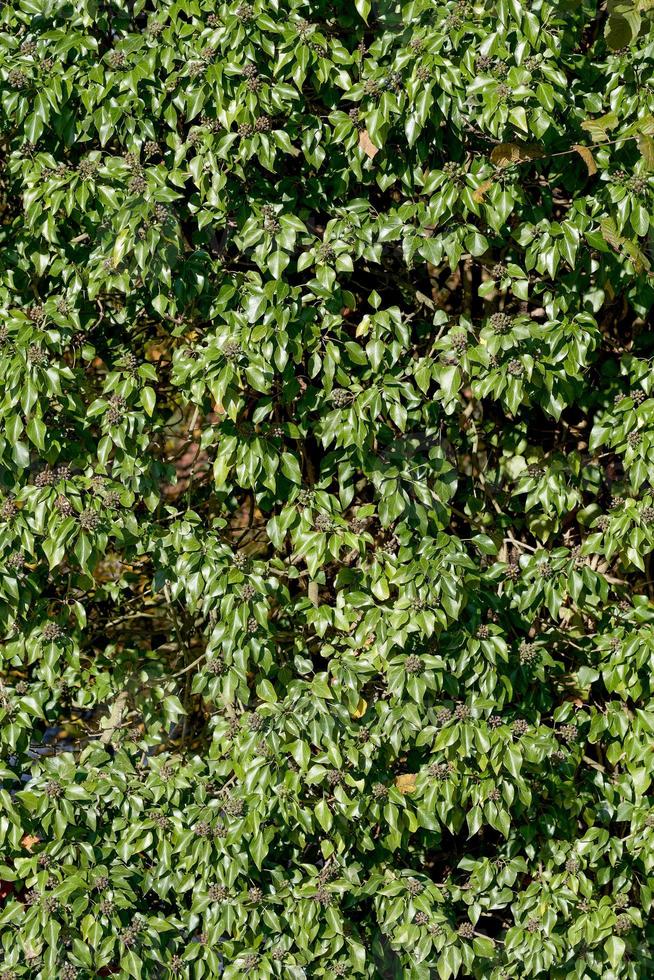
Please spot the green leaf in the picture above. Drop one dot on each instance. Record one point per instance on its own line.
(266, 692)
(148, 399)
(615, 950)
(323, 815)
(363, 8)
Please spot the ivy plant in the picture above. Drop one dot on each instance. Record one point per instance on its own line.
(326, 489)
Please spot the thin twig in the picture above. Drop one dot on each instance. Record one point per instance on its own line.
(520, 544)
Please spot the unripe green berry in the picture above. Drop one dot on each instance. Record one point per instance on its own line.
(500, 323)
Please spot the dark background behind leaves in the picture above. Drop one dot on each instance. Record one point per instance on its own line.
(326, 515)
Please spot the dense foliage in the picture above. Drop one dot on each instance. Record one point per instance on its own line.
(327, 489)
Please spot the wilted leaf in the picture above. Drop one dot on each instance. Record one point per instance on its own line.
(587, 157)
(480, 192)
(507, 154)
(600, 127)
(366, 144)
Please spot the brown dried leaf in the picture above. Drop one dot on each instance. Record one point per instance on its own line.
(506, 154)
(406, 783)
(588, 158)
(367, 145)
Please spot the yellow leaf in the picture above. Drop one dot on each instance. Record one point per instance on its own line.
(120, 246)
(480, 192)
(588, 158)
(406, 783)
(363, 327)
(367, 145)
(646, 125)
(598, 127)
(360, 709)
